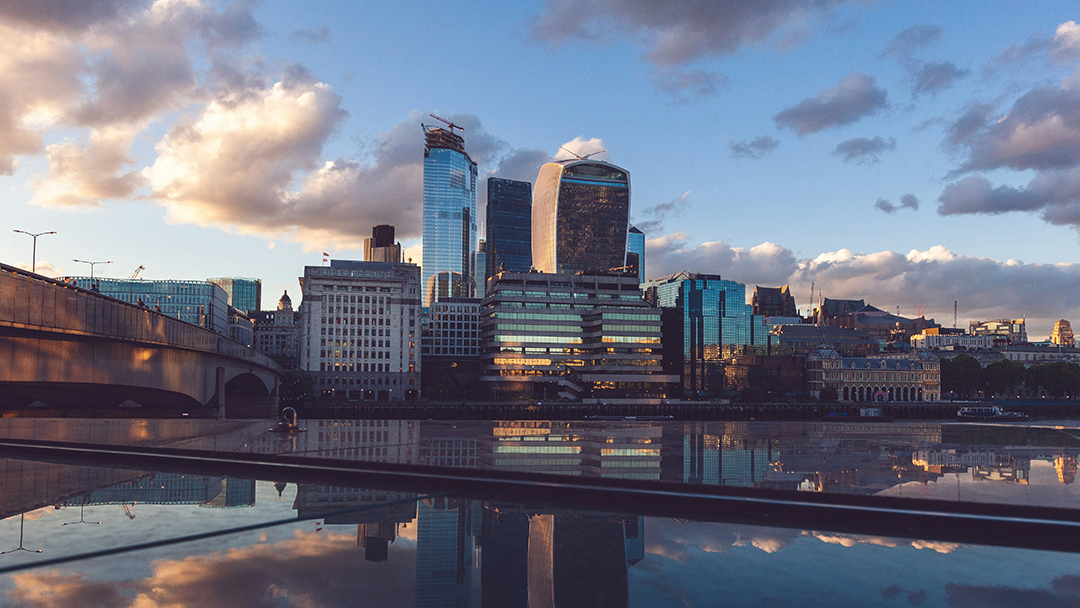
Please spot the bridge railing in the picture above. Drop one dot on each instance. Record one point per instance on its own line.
(35, 301)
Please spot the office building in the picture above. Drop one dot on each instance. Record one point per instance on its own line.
(277, 333)
(442, 285)
(360, 324)
(774, 302)
(1003, 331)
(241, 327)
(1063, 334)
(381, 247)
(703, 314)
(243, 294)
(572, 336)
(450, 348)
(635, 252)
(509, 226)
(197, 302)
(935, 338)
(805, 339)
(884, 326)
(450, 235)
(580, 214)
(481, 264)
(874, 379)
(444, 553)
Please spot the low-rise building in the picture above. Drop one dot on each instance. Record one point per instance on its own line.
(934, 338)
(1003, 331)
(874, 379)
(450, 348)
(277, 333)
(1032, 354)
(198, 302)
(805, 339)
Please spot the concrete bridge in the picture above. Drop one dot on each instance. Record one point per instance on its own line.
(64, 346)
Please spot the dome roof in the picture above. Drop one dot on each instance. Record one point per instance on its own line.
(285, 303)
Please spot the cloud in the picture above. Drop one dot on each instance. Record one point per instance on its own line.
(973, 118)
(1064, 591)
(755, 148)
(43, 268)
(932, 77)
(658, 213)
(579, 146)
(682, 31)
(522, 165)
(986, 288)
(863, 150)
(683, 84)
(83, 175)
(1063, 47)
(915, 38)
(856, 97)
(295, 571)
(65, 15)
(908, 201)
(323, 34)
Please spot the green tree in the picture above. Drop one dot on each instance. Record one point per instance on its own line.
(1058, 379)
(1005, 377)
(962, 375)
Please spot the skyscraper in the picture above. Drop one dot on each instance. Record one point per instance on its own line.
(381, 247)
(579, 217)
(243, 294)
(509, 226)
(635, 252)
(449, 209)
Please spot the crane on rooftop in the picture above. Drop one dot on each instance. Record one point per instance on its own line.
(449, 124)
(135, 274)
(580, 157)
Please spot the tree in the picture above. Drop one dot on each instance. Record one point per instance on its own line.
(1005, 377)
(962, 375)
(1058, 379)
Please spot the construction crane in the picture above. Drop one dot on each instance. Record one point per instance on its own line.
(127, 510)
(135, 274)
(449, 124)
(580, 157)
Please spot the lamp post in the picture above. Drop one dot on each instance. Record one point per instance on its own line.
(33, 262)
(22, 525)
(92, 264)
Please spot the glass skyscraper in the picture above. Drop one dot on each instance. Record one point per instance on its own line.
(635, 252)
(704, 314)
(579, 217)
(243, 294)
(450, 235)
(509, 226)
(198, 302)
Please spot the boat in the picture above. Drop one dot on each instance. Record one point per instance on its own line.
(988, 413)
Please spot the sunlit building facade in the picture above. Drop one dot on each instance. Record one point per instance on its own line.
(1063, 334)
(197, 302)
(243, 294)
(360, 329)
(635, 252)
(450, 235)
(580, 214)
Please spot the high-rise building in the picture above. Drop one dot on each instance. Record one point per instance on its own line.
(243, 294)
(381, 247)
(360, 329)
(580, 215)
(704, 314)
(450, 235)
(635, 252)
(509, 226)
(481, 265)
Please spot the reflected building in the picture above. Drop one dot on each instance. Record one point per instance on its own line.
(509, 227)
(444, 553)
(450, 235)
(624, 451)
(177, 489)
(581, 560)
(504, 557)
(580, 214)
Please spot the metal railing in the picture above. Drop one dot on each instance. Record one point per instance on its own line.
(35, 301)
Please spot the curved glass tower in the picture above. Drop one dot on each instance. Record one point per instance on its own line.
(450, 235)
(579, 217)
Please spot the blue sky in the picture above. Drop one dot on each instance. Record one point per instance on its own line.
(767, 143)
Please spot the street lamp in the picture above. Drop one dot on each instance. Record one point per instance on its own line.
(22, 525)
(33, 262)
(91, 268)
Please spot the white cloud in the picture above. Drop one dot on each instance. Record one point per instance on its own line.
(580, 146)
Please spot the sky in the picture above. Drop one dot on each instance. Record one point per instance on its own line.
(911, 154)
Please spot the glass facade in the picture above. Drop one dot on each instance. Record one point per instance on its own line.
(509, 226)
(242, 294)
(635, 251)
(579, 217)
(197, 302)
(712, 313)
(450, 235)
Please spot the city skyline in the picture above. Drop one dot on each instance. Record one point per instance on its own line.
(877, 151)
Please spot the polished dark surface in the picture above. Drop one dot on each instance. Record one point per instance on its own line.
(339, 544)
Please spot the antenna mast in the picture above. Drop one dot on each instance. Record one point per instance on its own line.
(954, 314)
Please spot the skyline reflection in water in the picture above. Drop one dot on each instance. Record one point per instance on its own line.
(446, 551)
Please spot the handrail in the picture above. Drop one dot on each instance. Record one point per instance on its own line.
(31, 299)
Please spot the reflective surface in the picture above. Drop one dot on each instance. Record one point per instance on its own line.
(343, 546)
